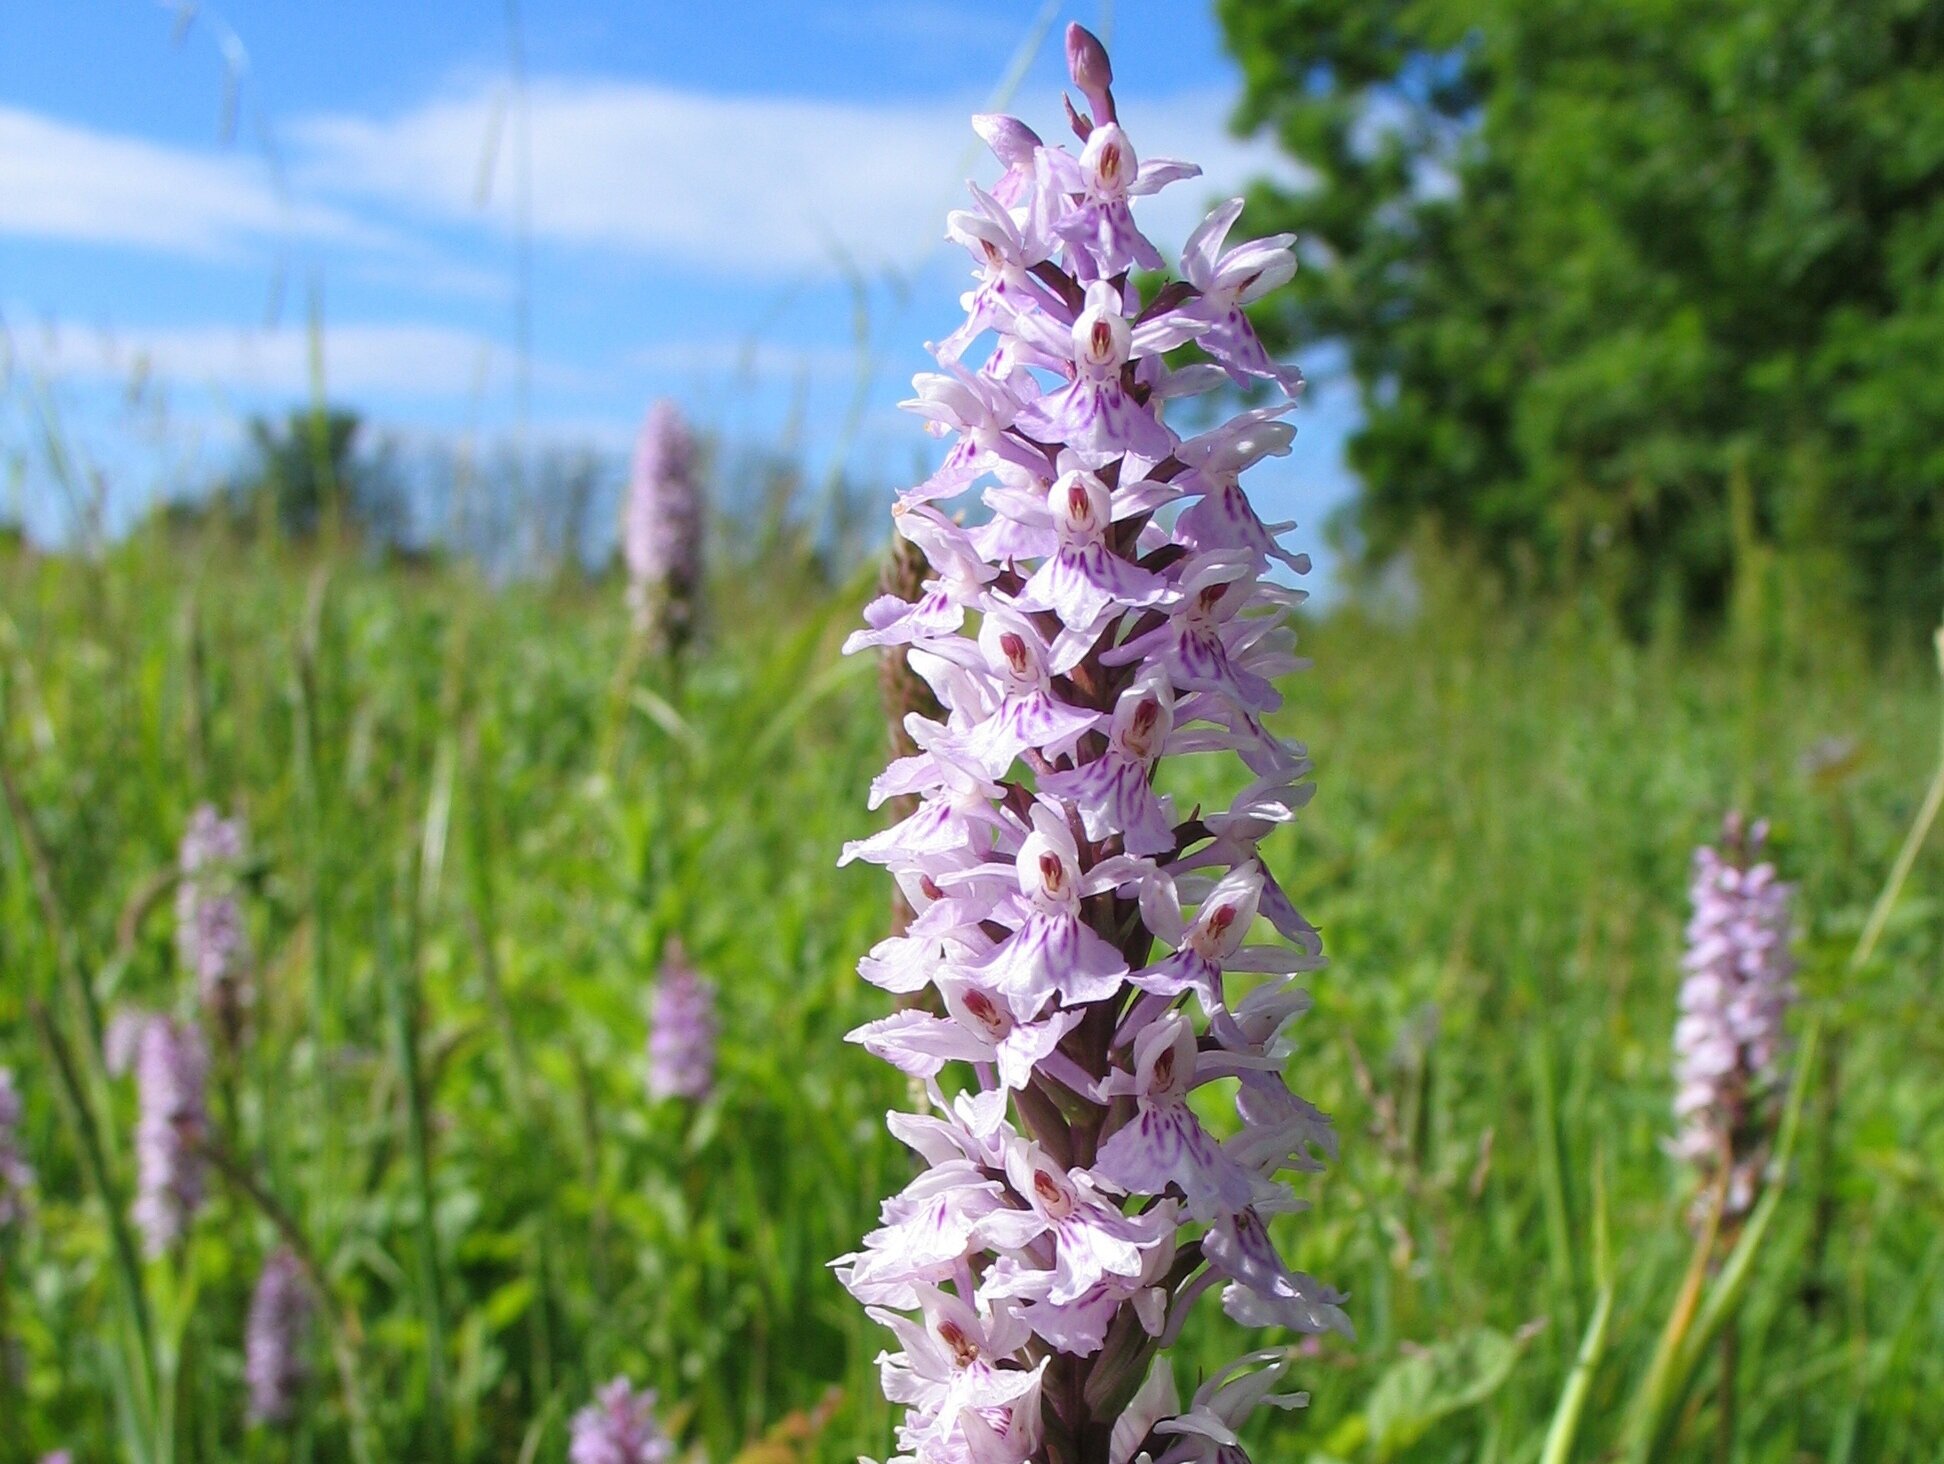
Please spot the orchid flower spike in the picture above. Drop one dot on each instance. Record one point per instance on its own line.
(661, 529)
(210, 937)
(619, 1427)
(1729, 1041)
(682, 1034)
(1084, 957)
(273, 1340)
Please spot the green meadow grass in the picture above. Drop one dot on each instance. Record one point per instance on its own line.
(474, 823)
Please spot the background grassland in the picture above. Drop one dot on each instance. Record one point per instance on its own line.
(475, 822)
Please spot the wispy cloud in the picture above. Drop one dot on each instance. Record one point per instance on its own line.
(401, 360)
(753, 186)
(415, 360)
(63, 181)
(760, 186)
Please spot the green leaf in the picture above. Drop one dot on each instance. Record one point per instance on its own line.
(1435, 1383)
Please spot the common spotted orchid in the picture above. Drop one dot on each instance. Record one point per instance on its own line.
(1091, 972)
(1729, 1041)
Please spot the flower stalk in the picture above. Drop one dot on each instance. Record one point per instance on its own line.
(341, 1325)
(1696, 1323)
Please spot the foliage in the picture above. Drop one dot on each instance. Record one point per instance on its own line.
(1601, 270)
(310, 473)
(472, 837)
(1425, 1386)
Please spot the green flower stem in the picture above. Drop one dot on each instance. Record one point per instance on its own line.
(401, 1000)
(1572, 1400)
(1651, 1404)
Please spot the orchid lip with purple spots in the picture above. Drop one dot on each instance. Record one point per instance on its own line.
(1090, 948)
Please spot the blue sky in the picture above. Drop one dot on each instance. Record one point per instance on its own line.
(703, 195)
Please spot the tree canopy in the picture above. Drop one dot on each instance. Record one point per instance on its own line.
(1621, 281)
(307, 464)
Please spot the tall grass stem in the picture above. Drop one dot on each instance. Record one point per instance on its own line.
(402, 1006)
(340, 1320)
(140, 1403)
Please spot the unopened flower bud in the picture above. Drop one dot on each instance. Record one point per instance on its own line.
(1092, 72)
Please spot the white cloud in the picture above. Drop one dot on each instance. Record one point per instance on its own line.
(753, 185)
(405, 360)
(61, 181)
(757, 186)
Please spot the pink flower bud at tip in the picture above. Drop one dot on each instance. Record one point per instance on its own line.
(1092, 72)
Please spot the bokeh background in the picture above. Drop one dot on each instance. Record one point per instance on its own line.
(324, 332)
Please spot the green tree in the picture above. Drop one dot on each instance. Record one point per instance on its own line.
(1606, 271)
(308, 466)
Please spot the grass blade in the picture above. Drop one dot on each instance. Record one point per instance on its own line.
(128, 1266)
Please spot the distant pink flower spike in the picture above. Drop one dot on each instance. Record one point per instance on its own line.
(1729, 1042)
(661, 528)
(619, 1427)
(171, 1067)
(682, 1032)
(273, 1340)
(16, 1175)
(211, 941)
